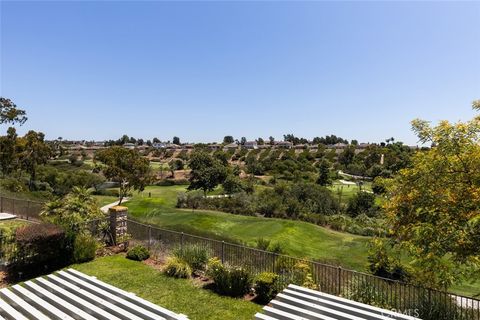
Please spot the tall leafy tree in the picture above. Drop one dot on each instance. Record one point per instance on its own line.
(34, 152)
(125, 166)
(324, 173)
(434, 206)
(9, 113)
(271, 140)
(228, 139)
(77, 207)
(8, 154)
(176, 140)
(207, 172)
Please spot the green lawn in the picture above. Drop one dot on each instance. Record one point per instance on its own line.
(178, 295)
(298, 238)
(104, 200)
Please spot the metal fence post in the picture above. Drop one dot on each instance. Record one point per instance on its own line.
(339, 279)
(181, 241)
(13, 206)
(274, 257)
(27, 213)
(1, 204)
(223, 251)
(149, 237)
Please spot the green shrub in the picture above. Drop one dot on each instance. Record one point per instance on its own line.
(436, 307)
(365, 292)
(84, 248)
(41, 248)
(138, 253)
(176, 267)
(362, 202)
(194, 255)
(383, 265)
(262, 244)
(266, 286)
(277, 248)
(230, 281)
(12, 185)
(302, 275)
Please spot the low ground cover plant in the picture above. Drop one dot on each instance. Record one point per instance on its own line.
(177, 268)
(266, 286)
(229, 280)
(138, 253)
(194, 255)
(84, 248)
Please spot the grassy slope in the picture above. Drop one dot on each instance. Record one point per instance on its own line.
(298, 238)
(178, 295)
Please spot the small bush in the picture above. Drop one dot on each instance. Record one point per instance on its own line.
(229, 281)
(12, 185)
(277, 248)
(365, 292)
(195, 256)
(301, 271)
(383, 265)
(40, 248)
(84, 248)
(262, 244)
(266, 286)
(175, 267)
(138, 253)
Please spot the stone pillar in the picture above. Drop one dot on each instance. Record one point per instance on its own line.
(118, 222)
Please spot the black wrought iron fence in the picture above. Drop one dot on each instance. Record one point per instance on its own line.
(395, 295)
(25, 209)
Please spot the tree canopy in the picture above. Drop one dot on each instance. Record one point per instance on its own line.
(207, 171)
(9, 113)
(434, 207)
(125, 166)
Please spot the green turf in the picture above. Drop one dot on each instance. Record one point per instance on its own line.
(104, 200)
(178, 295)
(298, 238)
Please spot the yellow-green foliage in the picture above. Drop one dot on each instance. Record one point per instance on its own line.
(177, 268)
(434, 205)
(266, 286)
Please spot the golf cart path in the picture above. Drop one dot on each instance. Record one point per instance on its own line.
(105, 208)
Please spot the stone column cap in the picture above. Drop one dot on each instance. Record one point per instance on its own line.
(117, 209)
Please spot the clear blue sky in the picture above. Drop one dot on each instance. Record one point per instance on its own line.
(202, 70)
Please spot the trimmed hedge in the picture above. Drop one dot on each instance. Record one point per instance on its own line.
(41, 248)
(138, 253)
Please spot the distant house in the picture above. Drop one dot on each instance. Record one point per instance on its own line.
(302, 146)
(363, 145)
(159, 145)
(283, 144)
(214, 147)
(231, 146)
(129, 145)
(250, 145)
(165, 145)
(173, 146)
(339, 146)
